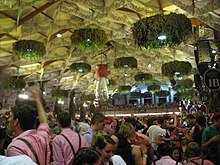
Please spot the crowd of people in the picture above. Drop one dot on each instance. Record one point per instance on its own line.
(33, 137)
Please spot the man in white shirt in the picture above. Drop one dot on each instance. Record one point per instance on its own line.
(117, 160)
(155, 133)
(16, 160)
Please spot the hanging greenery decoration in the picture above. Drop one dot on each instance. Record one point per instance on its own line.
(13, 83)
(142, 111)
(59, 94)
(175, 28)
(187, 94)
(89, 38)
(187, 83)
(183, 85)
(162, 93)
(169, 69)
(90, 97)
(124, 89)
(179, 89)
(136, 95)
(80, 67)
(147, 94)
(153, 88)
(143, 77)
(125, 62)
(29, 49)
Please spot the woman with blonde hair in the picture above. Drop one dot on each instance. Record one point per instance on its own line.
(95, 136)
(125, 138)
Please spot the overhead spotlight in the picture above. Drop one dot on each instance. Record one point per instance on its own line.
(59, 35)
(162, 37)
(214, 51)
(60, 102)
(80, 70)
(23, 96)
(85, 105)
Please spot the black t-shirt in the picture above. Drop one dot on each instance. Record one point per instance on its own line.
(197, 137)
(2, 133)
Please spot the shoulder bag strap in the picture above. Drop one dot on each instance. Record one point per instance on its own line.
(110, 162)
(69, 143)
(202, 162)
(79, 140)
(194, 162)
(177, 162)
(31, 148)
(45, 160)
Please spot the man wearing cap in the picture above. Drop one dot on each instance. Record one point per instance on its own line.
(108, 127)
(211, 138)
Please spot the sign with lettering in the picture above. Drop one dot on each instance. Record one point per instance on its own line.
(193, 110)
(204, 96)
(212, 79)
(204, 51)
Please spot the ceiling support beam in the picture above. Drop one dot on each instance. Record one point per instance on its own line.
(8, 35)
(35, 12)
(2, 35)
(7, 15)
(43, 13)
(6, 66)
(130, 11)
(12, 37)
(160, 6)
(42, 34)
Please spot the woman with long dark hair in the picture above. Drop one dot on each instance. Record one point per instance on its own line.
(87, 156)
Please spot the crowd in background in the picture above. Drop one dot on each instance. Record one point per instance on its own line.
(29, 136)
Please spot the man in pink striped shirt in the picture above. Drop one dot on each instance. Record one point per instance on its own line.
(27, 140)
(67, 143)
